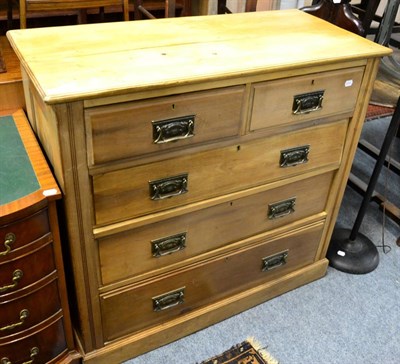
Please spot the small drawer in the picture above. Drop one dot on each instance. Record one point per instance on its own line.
(41, 346)
(298, 99)
(14, 236)
(28, 268)
(175, 240)
(145, 189)
(141, 127)
(170, 296)
(27, 311)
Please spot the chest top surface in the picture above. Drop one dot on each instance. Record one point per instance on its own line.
(72, 63)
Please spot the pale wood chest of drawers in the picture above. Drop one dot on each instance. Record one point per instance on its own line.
(203, 162)
(35, 323)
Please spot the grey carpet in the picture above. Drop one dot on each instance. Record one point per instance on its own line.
(339, 319)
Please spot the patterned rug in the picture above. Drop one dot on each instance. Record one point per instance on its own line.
(378, 111)
(248, 352)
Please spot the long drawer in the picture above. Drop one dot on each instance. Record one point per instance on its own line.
(175, 240)
(148, 188)
(141, 127)
(169, 296)
(298, 99)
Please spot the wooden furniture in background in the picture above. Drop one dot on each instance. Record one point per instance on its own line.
(169, 8)
(34, 313)
(194, 193)
(26, 6)
(11, 90)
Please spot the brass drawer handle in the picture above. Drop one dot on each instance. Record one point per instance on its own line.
(16, 277)
(274, 261)
(168, 300)
(34, 354)
(294, 156)
(281, 208)
(308, 102)
(171, 130)
(23, 315)
(9, 239)
(168, 245)
(168, 187)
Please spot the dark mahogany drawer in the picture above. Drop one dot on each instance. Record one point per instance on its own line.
(42, 345)
(24, 312)
(174, 241)
(14, 236)
(172, 295)
(28, 267)
(141, 127)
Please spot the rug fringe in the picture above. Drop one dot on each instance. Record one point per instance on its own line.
(264, 353)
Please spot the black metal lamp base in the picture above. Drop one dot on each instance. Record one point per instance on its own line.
(359, 256)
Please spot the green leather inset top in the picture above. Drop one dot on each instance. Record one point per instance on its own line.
(17, 177)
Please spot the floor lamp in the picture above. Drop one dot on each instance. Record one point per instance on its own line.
(349, 250)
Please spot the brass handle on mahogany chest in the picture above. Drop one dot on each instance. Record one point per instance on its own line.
(294, 156)
(34, 354)
(171, 130)
(9, 239)
(168, 245)
(16, 277)
(308, 102)
(168, 300)
(168, 187)
(23, 315)
(274, 261)
(281, 208)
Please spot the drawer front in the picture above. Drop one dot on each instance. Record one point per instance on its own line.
(305, 98)
(142, 127)
(41, 346)
(175, 240)
(171, 296)
(14, 236)
(27, 269)
(23, 313)
(144, 189)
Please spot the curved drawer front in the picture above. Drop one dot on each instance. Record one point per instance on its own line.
(41, 346)
(173, 295)
(14, 236)
(131, 129)
(140, 190)
(27, 269)
(175, 240)
(22, 313)
(303, 98)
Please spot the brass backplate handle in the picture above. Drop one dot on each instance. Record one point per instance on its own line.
(307, 102)
(33, 355)
(281, 208)
(168, 300)
(16, 277)
(294, 156)
(9, 239)
(168, 245)
(23, 315)
(171, 130)
(168, 187)
(274, 261)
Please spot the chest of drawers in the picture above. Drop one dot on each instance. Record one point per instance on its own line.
(203, 162)
(35, 322)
